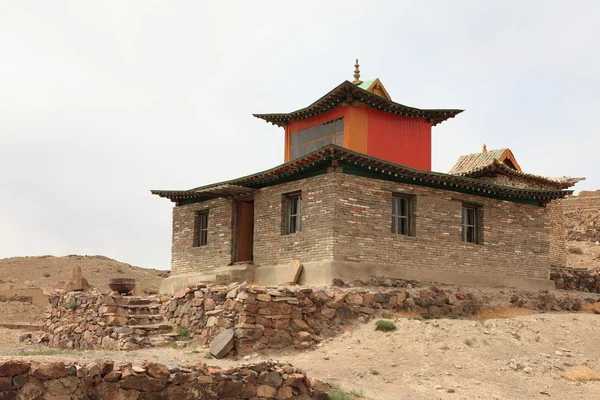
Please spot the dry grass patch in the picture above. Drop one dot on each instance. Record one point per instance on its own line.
(575, 250)
(407, 314)
(590, 308)
(581, 373)
(504, 312)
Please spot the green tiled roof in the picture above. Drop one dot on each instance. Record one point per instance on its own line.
(470, 162)
(486, 162)
(355, 163)
(366, 84)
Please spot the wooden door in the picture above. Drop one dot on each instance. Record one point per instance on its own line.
(245, 230)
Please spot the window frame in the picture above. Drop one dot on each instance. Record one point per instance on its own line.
(408, 220)
(303, 138)
(475, 225)
(292, 222)
(201, 228)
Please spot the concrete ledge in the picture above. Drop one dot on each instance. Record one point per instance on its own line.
(225, 275)
(319, 273)
(349, 271)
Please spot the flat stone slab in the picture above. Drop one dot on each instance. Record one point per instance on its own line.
(222, 344)
(289, 274)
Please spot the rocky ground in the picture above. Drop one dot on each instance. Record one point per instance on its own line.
(523, 357)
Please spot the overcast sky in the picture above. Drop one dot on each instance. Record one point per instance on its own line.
(101, 101)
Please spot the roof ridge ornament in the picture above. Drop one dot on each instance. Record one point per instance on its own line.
(357, 80)
(484, 148)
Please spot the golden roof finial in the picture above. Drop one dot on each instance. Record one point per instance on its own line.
(357, 80)
(484, 148)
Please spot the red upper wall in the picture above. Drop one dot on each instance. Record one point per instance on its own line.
(399, 139)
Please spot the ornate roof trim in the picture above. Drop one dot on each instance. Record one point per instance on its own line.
(376, 168)
(496, 166)
(348, 92)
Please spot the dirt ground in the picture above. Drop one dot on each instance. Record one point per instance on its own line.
(583, 255)
(524, 357)
(49, 272)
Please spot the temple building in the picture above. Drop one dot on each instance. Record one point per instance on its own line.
(356, 198)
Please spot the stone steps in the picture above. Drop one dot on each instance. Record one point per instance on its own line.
(152, 329)
(162, 339)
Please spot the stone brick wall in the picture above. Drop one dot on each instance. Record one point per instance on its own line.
(347, 218)
(106, 380)
(314, 242)
(515, 236)
(558, 233)
(186, 258)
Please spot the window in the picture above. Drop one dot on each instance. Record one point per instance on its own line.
(293, 213)
(307, 140)
(201, 236)
(401, 215)
(470, 224)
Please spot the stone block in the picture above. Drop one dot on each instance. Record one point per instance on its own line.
(222, 344)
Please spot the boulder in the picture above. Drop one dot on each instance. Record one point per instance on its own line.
(12, 368)
(222, 344)
(46, 371)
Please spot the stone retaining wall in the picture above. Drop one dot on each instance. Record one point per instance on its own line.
(277, 317)
(577, 279)
(105, 380)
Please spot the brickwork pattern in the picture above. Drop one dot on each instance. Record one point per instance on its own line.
(515, 236)
(314, 242)
(558, 233)
(185, 258)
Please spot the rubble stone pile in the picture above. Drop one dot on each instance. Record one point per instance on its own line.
(105, 380)
(577, 279)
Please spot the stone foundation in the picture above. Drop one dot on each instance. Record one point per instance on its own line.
(90, 320)
(266, 317)
(105, 380)
(577, 279)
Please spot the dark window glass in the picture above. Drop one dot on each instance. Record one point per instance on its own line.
(293, 213)
(312, 134)
(339, 139)
(301, 150)
(470, 224)
(339, 125)
(401, 215)
(320, 131)
(302, 137)
(329, 139)
(201, 237)
(320, 143)
(294, 139)
(311, 147)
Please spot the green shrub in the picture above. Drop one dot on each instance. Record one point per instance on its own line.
(470, 342)
(427, 316)
(208, 356)
(374, 372)
(72, 304)
(183, 334)
(385, 326)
